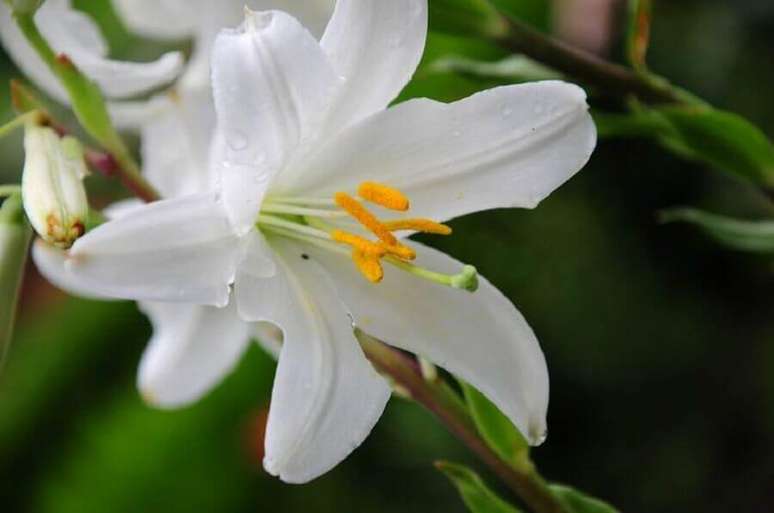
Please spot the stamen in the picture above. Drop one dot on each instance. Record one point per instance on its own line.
(277, 208)
(419, 225)
(383, 195)
(366, 218)
(358, 243)
(467, 279)
(368, 265)
(301, 200)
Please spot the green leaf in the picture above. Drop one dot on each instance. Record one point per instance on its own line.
(474, 492)
(742, 235)
(514, 68)
(15, 237)
(721, 139)
(478, 18)
(496, 429)
(578, 502)
(638, 33)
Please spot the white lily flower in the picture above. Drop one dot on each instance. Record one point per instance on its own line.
(74, 34)
(303, 127)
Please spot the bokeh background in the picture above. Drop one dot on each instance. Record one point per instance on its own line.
(660, 344)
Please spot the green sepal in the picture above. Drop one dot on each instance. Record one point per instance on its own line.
(495, 428)
(474, 492)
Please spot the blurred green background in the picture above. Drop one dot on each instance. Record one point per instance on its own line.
(660, 345)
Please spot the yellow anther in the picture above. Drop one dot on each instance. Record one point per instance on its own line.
(400, 251)
(360, 244)
(419, 225)
(368, 265)
(384, 196)
(364, 217)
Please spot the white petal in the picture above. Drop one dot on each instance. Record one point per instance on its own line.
(326, 396)
(505, 147)
(375, 46)
(192, 349)
(73, 33)
(180, 250)
(176, 143)
(480, 336)
(269, 336)
(51, 263)
(165, 19)
(272, 85)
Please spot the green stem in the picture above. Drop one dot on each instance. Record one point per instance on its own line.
(446, 405)
(587, 67)
(89, 107)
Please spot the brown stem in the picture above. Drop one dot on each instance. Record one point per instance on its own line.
(587, 67)
(447, 407)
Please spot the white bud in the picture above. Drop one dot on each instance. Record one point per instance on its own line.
(52, 185)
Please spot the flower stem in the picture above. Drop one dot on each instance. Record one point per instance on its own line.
(587, 67)
(446, 405)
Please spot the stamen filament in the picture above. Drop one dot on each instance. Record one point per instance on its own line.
(314, 241)
(267, 220)
(369, 266)
(300, 200)
(366, 218)
(383, 195)
(275, 208)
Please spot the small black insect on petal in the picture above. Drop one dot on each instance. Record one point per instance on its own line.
(304, 256)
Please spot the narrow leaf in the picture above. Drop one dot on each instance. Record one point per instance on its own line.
(15, 236)
(577, 502)
(498, 432)
(722, 139)
(742, 235)
(474, 492)
(514, 68)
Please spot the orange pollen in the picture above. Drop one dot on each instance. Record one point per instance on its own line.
(364, 217)
(383, 195)
(368, 265)
(419, 225)
(359, 244)
(400, 251)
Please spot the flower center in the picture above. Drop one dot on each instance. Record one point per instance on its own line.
(328, 223)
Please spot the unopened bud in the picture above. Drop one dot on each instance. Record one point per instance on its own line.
(52, 185)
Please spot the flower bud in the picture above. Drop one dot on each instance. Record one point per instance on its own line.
(52, 185)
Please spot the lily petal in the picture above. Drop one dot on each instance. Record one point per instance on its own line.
(375, 46)
(73, 33)
(480, 336)
(192, 349)
(51, 263)
(269, 337)
(179, 250)
(163, 19)
(176, 143)
(266, 104)
(505, 147)
(326, 396)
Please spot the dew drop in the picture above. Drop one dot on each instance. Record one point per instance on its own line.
(506, 111)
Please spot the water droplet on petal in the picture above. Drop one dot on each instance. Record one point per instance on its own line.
(236, 141)
(506, 111)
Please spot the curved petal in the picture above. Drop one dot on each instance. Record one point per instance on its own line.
(176, 143)
(51, 263)
(192, 349)
(73, 33)
(375, 46)
(272, 85)
(269, 337)
(505, 147)
(179, 250)
(165, 19)
(326, 396)
(480, 336)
